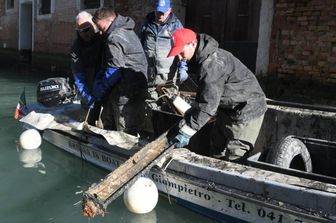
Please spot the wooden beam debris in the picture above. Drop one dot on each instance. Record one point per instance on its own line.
(98, 196)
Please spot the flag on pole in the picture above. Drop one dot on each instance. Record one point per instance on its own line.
(21, 104)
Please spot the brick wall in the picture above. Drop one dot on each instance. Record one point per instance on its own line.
(303, 39)
(8, 27)
(55, 34)
(138, 9)
(2, 9)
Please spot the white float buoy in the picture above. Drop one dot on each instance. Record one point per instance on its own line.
(142, 196)
(30, 139)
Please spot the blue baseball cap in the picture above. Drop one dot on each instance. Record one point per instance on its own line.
(162, 5)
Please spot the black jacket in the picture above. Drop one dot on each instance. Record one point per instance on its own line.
(123, 50)
(225, 84)
(86, 59)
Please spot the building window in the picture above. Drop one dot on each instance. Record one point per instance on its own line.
(9, 4)
(91, 4)
(45, 7)
(242, 20)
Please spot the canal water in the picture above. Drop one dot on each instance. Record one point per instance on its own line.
(47, 185)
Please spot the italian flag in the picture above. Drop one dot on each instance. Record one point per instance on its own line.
(21, 104)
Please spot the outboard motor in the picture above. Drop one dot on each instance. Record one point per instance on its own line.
(54, 91)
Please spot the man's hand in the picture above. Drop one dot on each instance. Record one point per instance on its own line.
(182, 71)
(183, 136)
(181, 140)
(88, 102)
(104, 83)
(183, 75)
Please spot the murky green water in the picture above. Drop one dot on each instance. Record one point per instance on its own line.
(50, 190)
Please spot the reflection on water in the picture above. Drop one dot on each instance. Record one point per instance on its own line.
(32, 159)
(46, 184)
(144, 218)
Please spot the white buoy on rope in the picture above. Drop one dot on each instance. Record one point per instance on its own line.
(142, 196)
(30, 139)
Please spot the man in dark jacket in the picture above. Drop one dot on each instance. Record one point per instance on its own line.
(86, 57)
(226, 87)
(155, 35)
(123, 83)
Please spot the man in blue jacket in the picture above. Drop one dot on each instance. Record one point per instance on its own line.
(86, 54)
(122, 84)
(155, 35)
(228, 89)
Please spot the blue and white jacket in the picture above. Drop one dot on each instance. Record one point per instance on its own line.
(156, 41)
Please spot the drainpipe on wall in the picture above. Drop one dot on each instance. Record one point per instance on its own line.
(265, 29)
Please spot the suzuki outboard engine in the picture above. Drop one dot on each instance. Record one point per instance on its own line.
(54, 91)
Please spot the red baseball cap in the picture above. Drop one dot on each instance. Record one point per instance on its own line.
(180, 38)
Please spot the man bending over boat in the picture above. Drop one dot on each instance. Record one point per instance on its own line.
(122, 85)
(86, 57)
(226, 88)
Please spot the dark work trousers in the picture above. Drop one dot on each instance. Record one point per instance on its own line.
(233, 141)
(124, 113)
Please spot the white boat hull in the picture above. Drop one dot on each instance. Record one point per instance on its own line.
(184, 183)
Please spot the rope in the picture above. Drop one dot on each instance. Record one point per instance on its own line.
(82, 155)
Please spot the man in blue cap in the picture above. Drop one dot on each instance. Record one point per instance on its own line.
(155, 35)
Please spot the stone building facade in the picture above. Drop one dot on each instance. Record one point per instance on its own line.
(294, 38)
(48, 31)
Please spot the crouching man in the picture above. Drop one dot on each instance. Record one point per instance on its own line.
(226, 88)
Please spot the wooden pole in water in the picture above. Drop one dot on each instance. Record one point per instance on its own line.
(98, 196)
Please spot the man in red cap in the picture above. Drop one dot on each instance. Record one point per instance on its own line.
(226, 88)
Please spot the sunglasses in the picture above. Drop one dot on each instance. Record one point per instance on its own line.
(84, 30)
